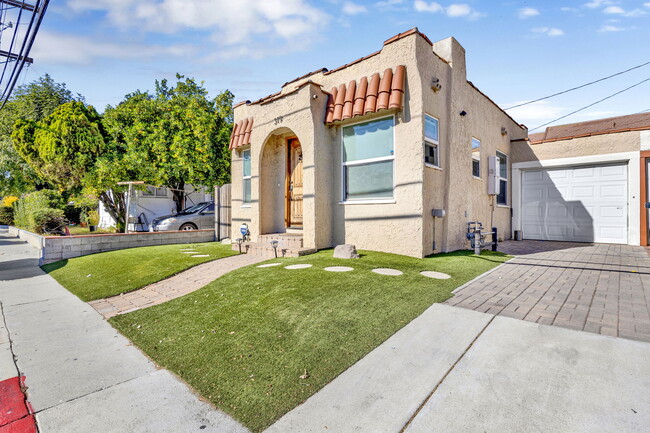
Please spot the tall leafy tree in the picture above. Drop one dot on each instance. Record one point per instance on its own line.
(174, 137)
(33, 101)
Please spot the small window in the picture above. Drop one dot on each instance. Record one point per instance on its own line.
(502, 197)
(246, 168)
(476, 158)
(431, 152)
(153, 191)
(368, 158)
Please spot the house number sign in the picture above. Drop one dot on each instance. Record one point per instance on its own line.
(278, 119)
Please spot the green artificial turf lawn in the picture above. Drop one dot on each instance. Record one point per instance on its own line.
(107, 274)
(244, 340)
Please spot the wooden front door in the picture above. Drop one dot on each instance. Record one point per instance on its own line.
(293, 211)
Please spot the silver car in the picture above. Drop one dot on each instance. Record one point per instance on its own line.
(199, 216)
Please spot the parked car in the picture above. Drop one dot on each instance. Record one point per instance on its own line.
(199, 216)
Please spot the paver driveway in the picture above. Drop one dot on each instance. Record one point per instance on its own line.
(597, 288)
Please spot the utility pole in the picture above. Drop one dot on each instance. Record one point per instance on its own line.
(128, 201)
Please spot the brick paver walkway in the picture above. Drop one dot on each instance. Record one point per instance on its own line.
(172, 287)
(597, 288)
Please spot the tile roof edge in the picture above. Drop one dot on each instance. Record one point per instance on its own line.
(241, 103)
(323, 70)
(281, 95)
(520, 125)
(410, 32)
(591, 134)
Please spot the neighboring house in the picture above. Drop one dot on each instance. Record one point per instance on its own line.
(154, 202)
(362, 154)
(584, 182)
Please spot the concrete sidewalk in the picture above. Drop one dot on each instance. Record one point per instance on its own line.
(83, 376)
(456, 370)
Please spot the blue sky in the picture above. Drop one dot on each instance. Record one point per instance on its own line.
(516, 50)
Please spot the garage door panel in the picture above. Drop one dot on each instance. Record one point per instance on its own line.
(583, 204)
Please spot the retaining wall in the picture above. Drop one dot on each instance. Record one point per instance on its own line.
(55, 248)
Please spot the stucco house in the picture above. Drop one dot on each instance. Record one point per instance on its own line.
(363, 153)
(584, 182)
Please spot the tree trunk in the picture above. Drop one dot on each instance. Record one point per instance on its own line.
(115, 205)
(178, 194)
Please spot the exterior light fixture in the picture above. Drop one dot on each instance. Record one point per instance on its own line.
(435, 84)
(274, 244)
(504, 131)
(239, 242)
(463, 113)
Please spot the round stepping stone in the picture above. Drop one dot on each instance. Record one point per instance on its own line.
(189, 252)
(268, 265)
(339, 269)
(387, 271)
(302, 266)
(436, 275)
(201, 255)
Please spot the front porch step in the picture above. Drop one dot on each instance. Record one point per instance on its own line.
(265, 250)
(285, 240)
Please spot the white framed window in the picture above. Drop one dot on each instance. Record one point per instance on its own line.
(431, 143)
(368, 156)
(246, 174)
(476, 158)
(502, 196)
(152, 191)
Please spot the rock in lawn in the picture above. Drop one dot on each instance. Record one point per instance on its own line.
(346, 251)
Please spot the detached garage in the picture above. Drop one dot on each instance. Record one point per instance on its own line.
(578, 204)
(584, 182)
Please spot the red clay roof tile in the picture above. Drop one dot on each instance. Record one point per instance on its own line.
(380, 94)
(632, 122)
(241, 133)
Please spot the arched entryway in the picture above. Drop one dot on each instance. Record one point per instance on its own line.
(281, 183)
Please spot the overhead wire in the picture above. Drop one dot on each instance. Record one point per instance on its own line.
(579, 87)
(592, 104)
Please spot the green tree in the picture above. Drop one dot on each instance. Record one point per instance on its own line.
(175, 137)
(63, 147)
(33, 101)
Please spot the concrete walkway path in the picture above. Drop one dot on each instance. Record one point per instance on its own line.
(597, 288)
(81, 374)
(456, 370)
(173, 287)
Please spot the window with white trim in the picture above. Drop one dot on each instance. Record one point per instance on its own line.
(153, 191)
(431, 149)
(476, 157)
(368, 158)
(246, 169)
(502, 197)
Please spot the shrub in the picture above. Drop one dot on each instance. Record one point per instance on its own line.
(25, 208)
(49, 221)
(6, 215)
(93, 217)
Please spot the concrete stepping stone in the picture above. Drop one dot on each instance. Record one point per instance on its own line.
(387, 271)
(201, 255)
(189, 252)
(268, 265)
(339, 268)
(436, 275)
(300, 266)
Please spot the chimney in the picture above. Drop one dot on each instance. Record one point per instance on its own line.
(454, 53)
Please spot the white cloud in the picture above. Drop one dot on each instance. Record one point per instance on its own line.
(647, 4)
(454, 10)
(59, 48)
(535, 113)
(422, 6)
(569, 9)
(613, 10)
(229, 22)
(350, 8)
(527, 13)
(610, 28)
(594, 4)
(548, 31)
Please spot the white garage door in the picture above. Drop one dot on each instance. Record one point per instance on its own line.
(579, 204)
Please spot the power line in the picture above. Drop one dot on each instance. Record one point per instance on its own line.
(592, 104)
(578, 87)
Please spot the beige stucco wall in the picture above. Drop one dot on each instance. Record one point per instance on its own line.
(594, 145)
(404, 226)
